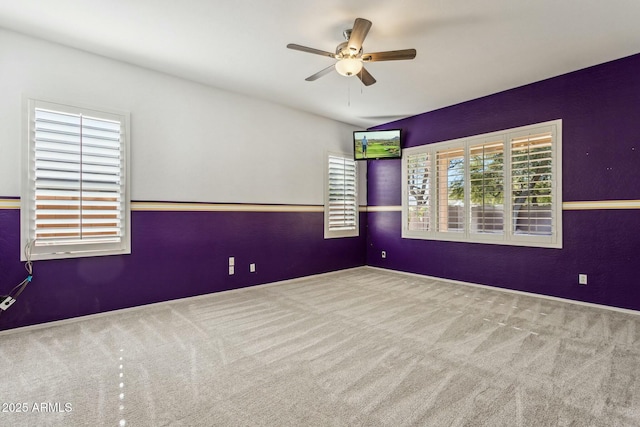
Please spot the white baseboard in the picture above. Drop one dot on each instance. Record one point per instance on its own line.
(159, 304)
(513, 291)
(281, 282)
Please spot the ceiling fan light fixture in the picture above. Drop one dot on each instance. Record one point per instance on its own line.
(349, 66)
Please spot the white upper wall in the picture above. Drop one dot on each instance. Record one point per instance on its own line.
(189, 142)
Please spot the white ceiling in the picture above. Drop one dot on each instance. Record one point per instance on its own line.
(466, 49)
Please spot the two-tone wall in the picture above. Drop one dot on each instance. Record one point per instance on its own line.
(216, 175)
(600, 110)
(213, 175)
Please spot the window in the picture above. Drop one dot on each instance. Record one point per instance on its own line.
(503, 188)
(341, 197)
(75, 197)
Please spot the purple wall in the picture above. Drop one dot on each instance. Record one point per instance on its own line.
(174, 255)
(600, 109)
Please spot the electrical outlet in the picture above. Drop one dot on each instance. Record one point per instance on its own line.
(231, 270)
(582, 279)
(6, 303)
(252, 268)
(384, 254)
(232, 261)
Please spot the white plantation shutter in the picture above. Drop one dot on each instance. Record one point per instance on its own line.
(418, 191)
(486, 182)
(77, 192)
(531, 184)
(451, 175)
(341, 201)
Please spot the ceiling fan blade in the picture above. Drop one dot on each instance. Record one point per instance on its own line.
(358, 33)
(320, 73)
(366, 78)
(391, 55)
(310, 50)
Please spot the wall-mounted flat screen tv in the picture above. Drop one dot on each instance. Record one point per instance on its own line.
(377, 144)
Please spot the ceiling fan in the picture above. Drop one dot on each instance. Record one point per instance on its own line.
(349, 56)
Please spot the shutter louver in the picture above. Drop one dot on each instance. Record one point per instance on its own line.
(342, 195)
(78, 179)
(531, 184)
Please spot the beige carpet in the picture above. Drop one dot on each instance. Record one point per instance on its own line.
(358, 347)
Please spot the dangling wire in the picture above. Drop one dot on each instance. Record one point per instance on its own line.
(27, 255)
(17, 290)
(28, 265)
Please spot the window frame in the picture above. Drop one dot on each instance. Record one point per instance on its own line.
(508, 236)
(352, 232)
(77, 248)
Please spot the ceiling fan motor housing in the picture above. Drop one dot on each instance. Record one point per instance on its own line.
(343, 51)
